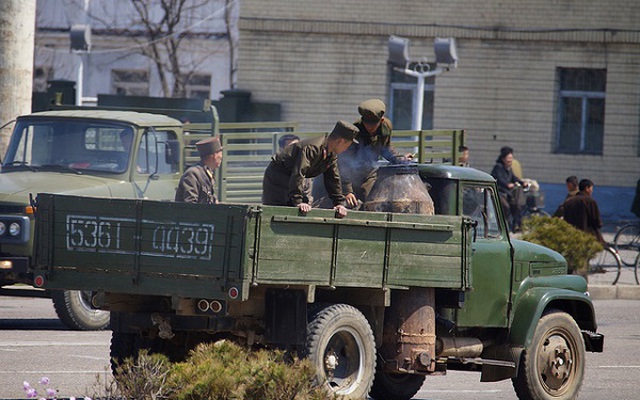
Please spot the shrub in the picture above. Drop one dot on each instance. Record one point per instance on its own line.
(224, 370)
(144, 378)
(576, 246)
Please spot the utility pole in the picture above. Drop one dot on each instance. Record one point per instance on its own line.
(17, 31)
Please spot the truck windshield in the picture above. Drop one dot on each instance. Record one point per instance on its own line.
(69, 146)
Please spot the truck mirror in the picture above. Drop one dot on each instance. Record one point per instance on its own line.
(172, 152)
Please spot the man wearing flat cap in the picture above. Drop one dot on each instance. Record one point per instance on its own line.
(197, 183)
(358, 164)
(284, 179)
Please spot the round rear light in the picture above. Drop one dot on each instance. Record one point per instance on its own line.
(38, 281)
(203, 305)
(234, 293)
(216, 306)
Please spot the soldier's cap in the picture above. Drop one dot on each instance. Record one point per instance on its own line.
(345, 130)
(209, 146)
(372, 110)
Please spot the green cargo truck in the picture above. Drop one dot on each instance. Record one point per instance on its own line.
(377, 301)
(96, 152)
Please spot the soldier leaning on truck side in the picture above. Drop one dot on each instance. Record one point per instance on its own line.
(287, 140)
(358, 164)
(283, 183)
(197, 183)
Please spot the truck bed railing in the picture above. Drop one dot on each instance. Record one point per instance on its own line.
(247, 154)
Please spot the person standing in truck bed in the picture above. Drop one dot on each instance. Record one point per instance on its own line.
(358, 164)
(284, 178)
(197, 184)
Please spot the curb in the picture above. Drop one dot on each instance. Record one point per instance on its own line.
(614, 292)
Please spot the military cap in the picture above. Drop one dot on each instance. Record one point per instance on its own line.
(208, 146)
(345, 130)
(372, 110)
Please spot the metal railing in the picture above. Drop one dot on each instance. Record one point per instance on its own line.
(246, 155)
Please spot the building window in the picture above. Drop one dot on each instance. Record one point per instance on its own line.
(402, 95)
(199, 87)
(130, 82)
(581, 109)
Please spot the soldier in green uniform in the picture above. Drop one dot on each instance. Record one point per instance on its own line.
(284, 179)
(197, 183)
(358, 164)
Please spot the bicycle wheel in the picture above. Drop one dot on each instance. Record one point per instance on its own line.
(627, 243)
(605, 268)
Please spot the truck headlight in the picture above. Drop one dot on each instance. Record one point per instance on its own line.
(3, 228)
(14, 229)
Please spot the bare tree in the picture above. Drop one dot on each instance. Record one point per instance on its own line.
(160, 29)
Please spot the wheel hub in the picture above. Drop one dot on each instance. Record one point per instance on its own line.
(557, 368)
(331, 362)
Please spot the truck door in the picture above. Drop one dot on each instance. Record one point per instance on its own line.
(487, 304)
(155, 173)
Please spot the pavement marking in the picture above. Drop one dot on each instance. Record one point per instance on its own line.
(50, 344)
(84, 371)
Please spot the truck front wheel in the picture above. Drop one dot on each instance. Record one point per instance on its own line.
(74, 310)
(552, 367)
(388, 386)
(341, 346)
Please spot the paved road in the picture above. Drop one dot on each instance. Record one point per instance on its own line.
(33, 343)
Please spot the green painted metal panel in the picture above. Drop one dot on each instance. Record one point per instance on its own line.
(143, 246)
(154, 247)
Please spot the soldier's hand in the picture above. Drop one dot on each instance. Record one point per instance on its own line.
(304, 207)
(341, 211)
(352, 201)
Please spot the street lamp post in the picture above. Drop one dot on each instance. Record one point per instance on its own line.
(446, 53)
(80, 36)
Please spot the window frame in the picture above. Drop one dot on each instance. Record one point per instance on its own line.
(584, 96)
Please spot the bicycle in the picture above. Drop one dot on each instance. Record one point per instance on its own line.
(607, 268)
(627, 243)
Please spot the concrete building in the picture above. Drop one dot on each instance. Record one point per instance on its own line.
(115, 65)
(556, 80)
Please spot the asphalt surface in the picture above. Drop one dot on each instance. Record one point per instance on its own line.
(34, 343)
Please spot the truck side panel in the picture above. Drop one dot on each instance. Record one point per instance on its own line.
(145, 247)
(365, 249)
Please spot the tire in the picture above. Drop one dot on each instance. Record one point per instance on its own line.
(342, 349)
(627, 243)
(552, 367)
(388, 386)
(74, 310)
(604, 268)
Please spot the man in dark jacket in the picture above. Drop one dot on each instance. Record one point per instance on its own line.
(284, 179)
(582, 211)
(572, 190)
(509, 186)
(197, 183)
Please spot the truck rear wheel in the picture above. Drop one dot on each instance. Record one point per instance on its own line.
(552, 367)
(341, 346)
(388, 386)
(75, 311)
